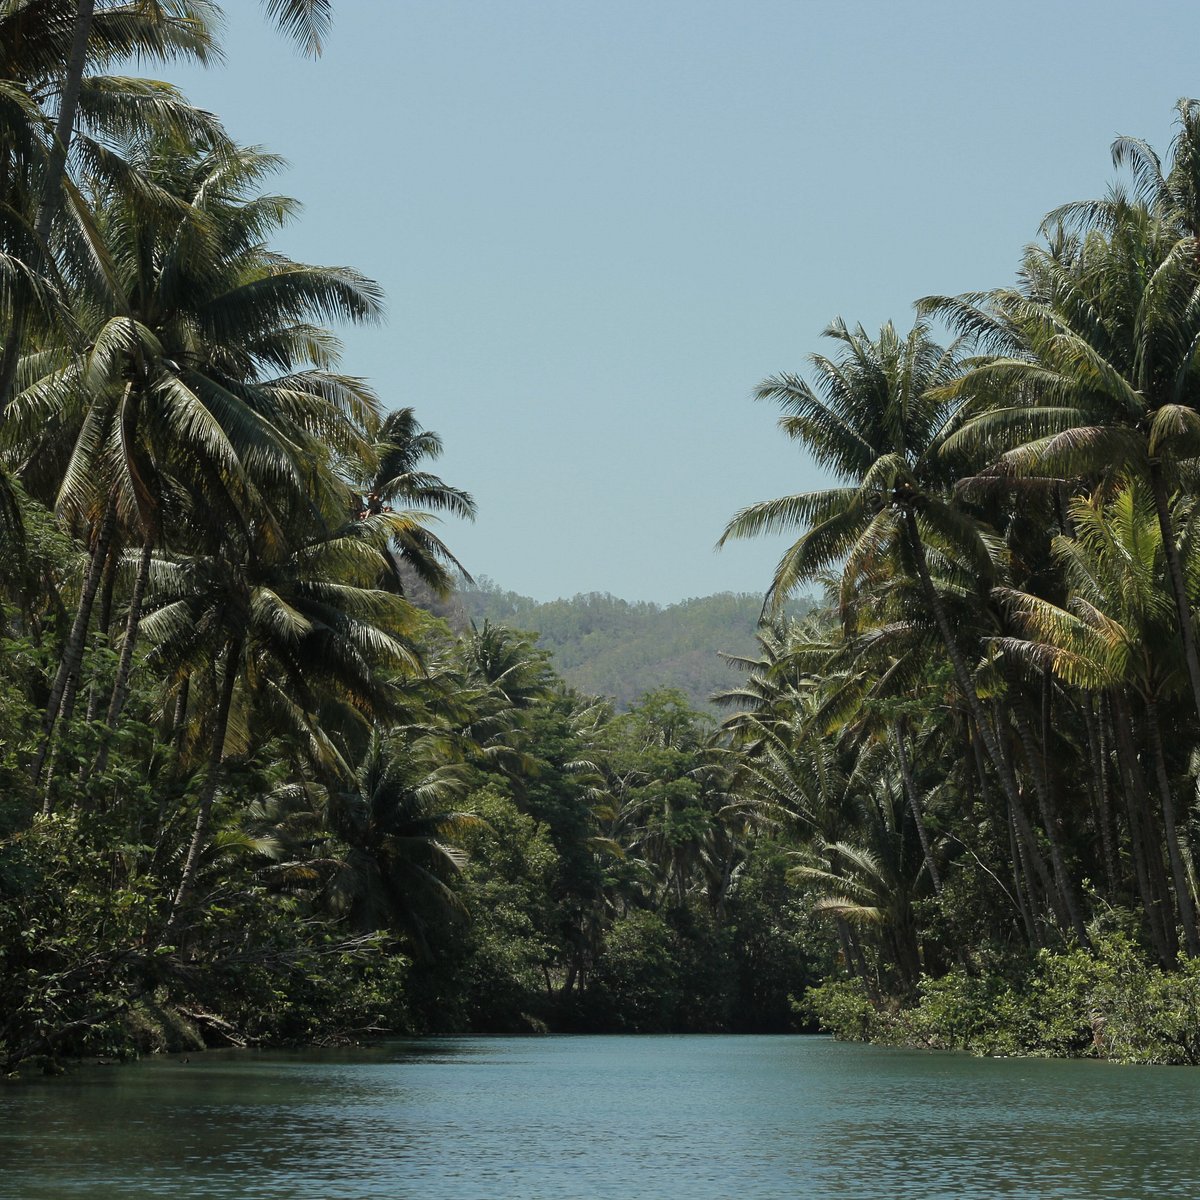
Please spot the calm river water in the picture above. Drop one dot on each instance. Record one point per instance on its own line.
(647, 1118)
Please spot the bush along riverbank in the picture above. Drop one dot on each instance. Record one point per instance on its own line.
(1113, 1004)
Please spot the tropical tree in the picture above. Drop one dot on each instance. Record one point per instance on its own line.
(882, 418)
(400, 831)
(395, 477)
(47, 50)
(1092, 369)
(180, 392)
(283, 625)
(1116, 634)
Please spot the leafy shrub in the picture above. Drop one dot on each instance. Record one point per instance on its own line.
(1113, 1003)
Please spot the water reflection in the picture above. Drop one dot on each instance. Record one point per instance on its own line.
(657, 1118)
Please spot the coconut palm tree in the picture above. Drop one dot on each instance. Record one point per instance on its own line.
(1116, 633)
(180, 389)
(45, 51)
(1092, 365)
(398, 824)
(1171, 191)
(306, 21)
(396, 478)
(881, 418)
(277, 625)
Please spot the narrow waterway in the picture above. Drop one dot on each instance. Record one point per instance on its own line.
(648, 1118)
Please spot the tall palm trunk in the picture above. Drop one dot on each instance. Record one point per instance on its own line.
(966, 686)
(72, 659)
(1147, 858)
(179, 716)
(103, 621)
(914, 803)
(855, 959)
(1049, 813)
(1033, 853)
(120, 690)
(1183, 609)
(1020, 882)
(1101, 792)
(1183, 890)
(1025, 856)
(962, 675)
(212, 780)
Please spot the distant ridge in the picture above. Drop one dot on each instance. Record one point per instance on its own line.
(606, 646)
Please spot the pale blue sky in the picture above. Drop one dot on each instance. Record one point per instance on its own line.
(600, 224)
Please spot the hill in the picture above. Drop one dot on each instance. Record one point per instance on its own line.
(606, 646)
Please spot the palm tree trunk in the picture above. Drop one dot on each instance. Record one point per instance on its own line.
(914, 802)
(855, 958)
(1041, 787)
(1101, 793)
(64, 127)
(212, 780)
(966, 685)
(1183, 891)
(962, 675)
(125, 664)
(72, 657)
(103, 621)
(1147, 859)
(1030, 860)
(1053, 902)
(1183, 610)
(179, 716)
(1019, 882)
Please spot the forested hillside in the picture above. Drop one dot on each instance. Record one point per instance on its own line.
(623, 649)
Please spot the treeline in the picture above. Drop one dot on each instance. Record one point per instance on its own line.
(249, 790)
(989, 752)
(610, 647)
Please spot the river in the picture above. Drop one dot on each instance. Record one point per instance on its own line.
(591, 1118)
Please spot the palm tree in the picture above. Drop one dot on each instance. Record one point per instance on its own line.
(396, 478)
(171, 396)
(290, 622)
(307, 21)
(1172, 192)
(1092, 365)
(395, 820)
(45, 50)
(881, 418)
(1116, 633)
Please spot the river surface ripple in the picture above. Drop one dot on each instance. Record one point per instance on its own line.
(592, 1118)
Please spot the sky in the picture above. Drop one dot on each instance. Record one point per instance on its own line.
(600, 223)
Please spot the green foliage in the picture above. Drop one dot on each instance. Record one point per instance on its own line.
(1111, 1004)
(662, 973)
(70, 940)
(778, 948)
(609, 647)
(249, 793)
(492, 976)
(843, 1008)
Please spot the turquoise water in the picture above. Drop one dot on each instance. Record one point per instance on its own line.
(651, 1118)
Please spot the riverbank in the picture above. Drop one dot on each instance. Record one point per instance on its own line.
(1112, 1005)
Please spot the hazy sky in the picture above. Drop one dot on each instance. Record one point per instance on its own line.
(600, 224)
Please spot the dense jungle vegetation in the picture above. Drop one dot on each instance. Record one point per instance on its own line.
(252, 791)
